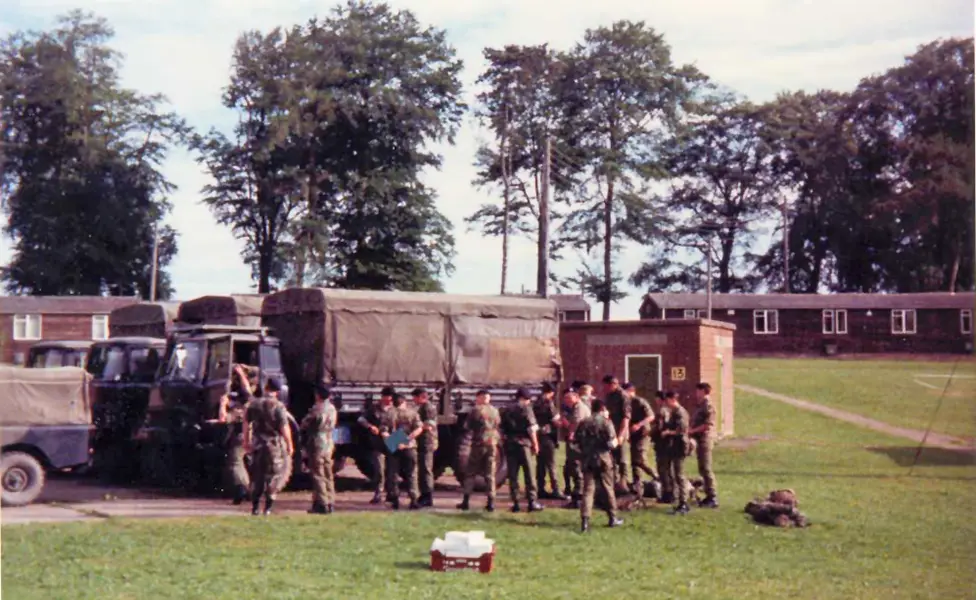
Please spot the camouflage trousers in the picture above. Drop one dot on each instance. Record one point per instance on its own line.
(619, 455)
(598, 476)
(237, 474)
(572, 472)
(638, 460)
(402, 464)
(323, 478)
(425, 469)
(546, 464)
(520, 459)
(704, 452)
(377, 460)
(481, 462)
(674, 466)
(664, 475)
(270, 468)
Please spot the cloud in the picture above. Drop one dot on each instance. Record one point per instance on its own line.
(182, 48)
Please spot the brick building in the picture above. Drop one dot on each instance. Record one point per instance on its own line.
(572, 307)
(655, 355)
(25, 320)
(810, 324)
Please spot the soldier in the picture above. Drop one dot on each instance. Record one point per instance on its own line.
(482, 422)
(372, 420)
(585, 392)
(618, 405)
(674, 430)
(661, 414)
(426, 446)
(643, 416)
(267, 438)
(521, 442)
(317, 428)
(597, 438)
(231, 412)
(547, 417)
(402, 462)
(702, 429)
(574, 412)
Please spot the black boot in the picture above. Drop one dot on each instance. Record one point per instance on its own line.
(573, 504)
(395, 503)
(535, 507)
(516, 507)
(557, 495)
(584, 524)
(464, 503)
(615, 522)
(490, 505)
(377, 498)
(709, 502)
(414, 505)
(329, 508)
(256, 506)
(268, 502)
(318, 509)
(240, 495)
(681, 509)
(425, 500)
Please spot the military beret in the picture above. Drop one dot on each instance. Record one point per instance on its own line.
(388, 391)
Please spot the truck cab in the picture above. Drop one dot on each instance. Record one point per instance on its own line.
(60, 353)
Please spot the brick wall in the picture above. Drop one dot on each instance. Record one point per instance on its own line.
(592, 350)
(53, 327)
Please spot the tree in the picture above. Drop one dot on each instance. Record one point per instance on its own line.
(624, 97)
(80, 178)
(723, 188)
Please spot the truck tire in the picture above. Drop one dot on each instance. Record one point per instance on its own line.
(23, 478)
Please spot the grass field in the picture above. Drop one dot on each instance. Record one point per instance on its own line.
(904, 393)
(875, 533)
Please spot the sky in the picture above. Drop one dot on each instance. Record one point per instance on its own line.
(182, 48)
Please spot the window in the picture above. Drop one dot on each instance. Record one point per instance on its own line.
(99, 327)
(903, 321)
(703, 313)
(765, 321)
(690, 313)
(835, 321)
(27, 327)
(966, 321)
(730, 312)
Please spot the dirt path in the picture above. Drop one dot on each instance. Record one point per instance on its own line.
(935, 440)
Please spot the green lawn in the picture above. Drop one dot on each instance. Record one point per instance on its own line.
(876, 533)
(904, 393)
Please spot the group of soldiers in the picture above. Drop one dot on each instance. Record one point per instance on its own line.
(402, 434)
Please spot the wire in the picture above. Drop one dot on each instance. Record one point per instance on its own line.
(921, 444)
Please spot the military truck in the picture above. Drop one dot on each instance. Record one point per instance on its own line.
(45, 421)
(242, 310)
(145, 319)
(362, 341)
(61, 353)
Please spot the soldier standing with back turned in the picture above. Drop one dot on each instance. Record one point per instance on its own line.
(520, 432)
(643, 416)
(618, 405)
(703, 430)
(426, 446)
(674, 430)
(267, 437)
(547, 417)
(597, 439)
(482, 422)
(661, 414)
(317, 428)
(574, 413)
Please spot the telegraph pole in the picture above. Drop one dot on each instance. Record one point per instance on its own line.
(786, 248)
(708, 295)
(542, 284)
(155, 263)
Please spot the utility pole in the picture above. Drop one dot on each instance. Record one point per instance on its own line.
(786, 248)
(155, 263)
(542, 284)
(708, 288)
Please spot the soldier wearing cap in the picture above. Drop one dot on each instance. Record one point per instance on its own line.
(426, 446)
(401, 462)
(520, 433)
(547, 417)
(597, 438)
(643, 416)
(267, 437)
(574, 413)
(482, 422)
(674, 432)
(372, 420)
(661, 414)
(702, 430)
(317, 428)
(618, 405)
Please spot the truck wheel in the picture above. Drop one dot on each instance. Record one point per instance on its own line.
(23, 478)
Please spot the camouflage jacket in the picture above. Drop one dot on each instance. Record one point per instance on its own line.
(595, 436)
(317, 428)
(661, 414)
(677, 420)
(267, 417)
(402, 417)
(546, 416)
(704, 415)
(375, 415)
(574, 416)
(619, 407)
(428, 416)
(640, 410)
(518, 423)
(483, 422)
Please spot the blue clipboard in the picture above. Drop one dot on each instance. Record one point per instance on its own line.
(395, 439)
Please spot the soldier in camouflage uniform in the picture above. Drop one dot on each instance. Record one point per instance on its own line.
(402, 462)
(702, 429)
(482, 422)
(618, 405)
(231, 412)
(267, 438)
(317, 428)
(547, 417)
(521, 442)
(643, 416)
(426, 446)
(597, 438)
(674, 430)
(574, 412)
(372, 420)
(661, 414)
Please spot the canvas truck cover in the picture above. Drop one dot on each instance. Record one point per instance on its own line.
(57, 396)
(242, 310)
(145, 319)
(371, 336)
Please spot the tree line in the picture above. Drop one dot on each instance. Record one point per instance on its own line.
(606, 143)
